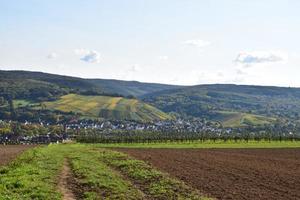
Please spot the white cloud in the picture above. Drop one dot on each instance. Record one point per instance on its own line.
(52, 55)
(258, 57)
(197, 43)
(89, 56)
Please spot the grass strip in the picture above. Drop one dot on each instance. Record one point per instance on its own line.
(155, 184)
(32, 175)
(98, 180)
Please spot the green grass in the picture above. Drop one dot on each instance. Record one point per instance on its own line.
(207, 144)
(153, 183)
(98, 174)
(118, 108)
(21, 103)
(32, 175)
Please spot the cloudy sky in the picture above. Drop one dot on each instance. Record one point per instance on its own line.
(166, 41)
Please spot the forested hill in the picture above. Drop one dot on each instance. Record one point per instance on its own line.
(33, 85)
(222, 102)
(134, 88)
(38, 85)
(32, 96)
(211, 101)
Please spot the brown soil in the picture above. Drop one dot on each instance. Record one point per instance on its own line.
(231, 173)
(9, 152)
(67, 183)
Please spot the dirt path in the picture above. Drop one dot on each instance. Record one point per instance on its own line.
(65, 182)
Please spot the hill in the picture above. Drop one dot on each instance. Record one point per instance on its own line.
(238, 119)
(227, 103)
(208, 100)
(134, 88)
(36, 85)
(117, 108)
(62, 81)
(39, 86)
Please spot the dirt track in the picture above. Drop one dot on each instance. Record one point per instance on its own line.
(9, 152)
(231, 173)
(63, 184)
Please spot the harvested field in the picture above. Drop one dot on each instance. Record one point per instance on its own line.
(9, 152)
(231, 173)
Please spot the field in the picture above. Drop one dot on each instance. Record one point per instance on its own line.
(76, 171)
(9, 152)
(237, 119)
(89, 171)
(118, 108)
(231, 173)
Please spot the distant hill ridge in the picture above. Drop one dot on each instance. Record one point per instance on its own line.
(125, 88)
(214, 101)
(208, 100)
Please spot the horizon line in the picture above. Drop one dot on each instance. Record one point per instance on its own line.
(142, 82)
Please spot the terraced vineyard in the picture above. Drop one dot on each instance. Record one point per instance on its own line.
(76, 171)
(237, 119)
(107, 107)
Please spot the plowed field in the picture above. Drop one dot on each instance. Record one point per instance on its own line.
(231, 173)
(9, 152)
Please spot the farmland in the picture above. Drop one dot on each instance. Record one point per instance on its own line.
(231, 173)
(7, 153)
(219, 144)
(253, 170)
(80, 171)
(237, 119)
(118, 108)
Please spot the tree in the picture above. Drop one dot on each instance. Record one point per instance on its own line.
(2, 101)
(56, 129)
(16, 128)
(12, 109)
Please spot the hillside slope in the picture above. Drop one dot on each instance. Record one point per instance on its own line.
(40, 86)
(62, 81)
(239, 119)
(207, 100)
(27, 84)
(117, 108)
(134, 88)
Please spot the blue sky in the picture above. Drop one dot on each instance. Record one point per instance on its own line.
(167, 41)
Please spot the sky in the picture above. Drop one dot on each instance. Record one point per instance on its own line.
(184, 42)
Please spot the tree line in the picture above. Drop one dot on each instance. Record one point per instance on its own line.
(145, 136)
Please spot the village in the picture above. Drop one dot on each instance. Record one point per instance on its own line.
(177, 125)
(16, 133)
